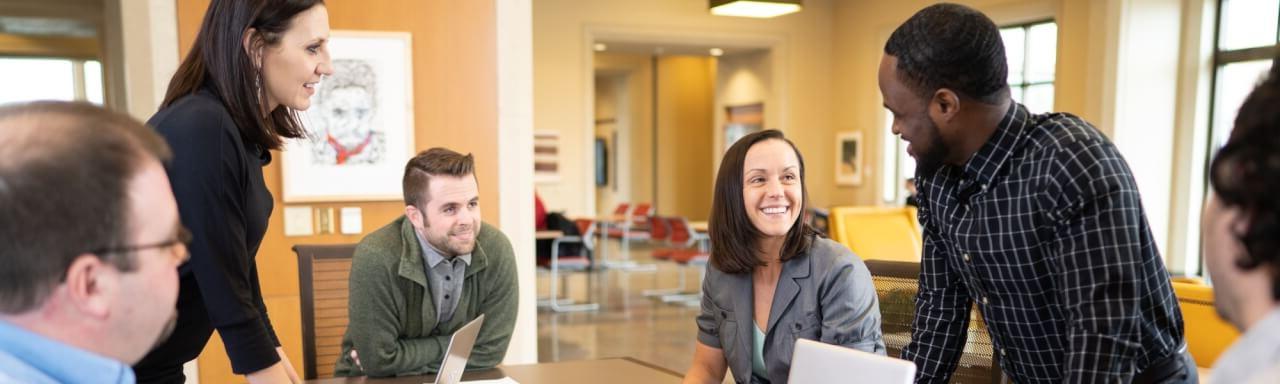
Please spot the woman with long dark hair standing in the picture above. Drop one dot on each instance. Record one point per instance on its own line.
(235, 97)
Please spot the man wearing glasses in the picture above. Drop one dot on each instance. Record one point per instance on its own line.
(90, 242)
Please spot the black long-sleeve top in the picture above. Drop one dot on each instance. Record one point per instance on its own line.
(217, 179)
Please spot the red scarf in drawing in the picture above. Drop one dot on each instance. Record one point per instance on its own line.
(344, 153)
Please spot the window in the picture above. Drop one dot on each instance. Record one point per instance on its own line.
(1247, 38)
(1247, 33)
(1032, 51)
(28, 79)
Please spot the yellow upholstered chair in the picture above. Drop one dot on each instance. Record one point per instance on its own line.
(1207, 334)
(878, 233)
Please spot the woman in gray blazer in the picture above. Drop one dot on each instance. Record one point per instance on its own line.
(771, 279)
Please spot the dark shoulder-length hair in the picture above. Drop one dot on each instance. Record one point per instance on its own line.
(734, 240)
(218, 61)
(1246, 174)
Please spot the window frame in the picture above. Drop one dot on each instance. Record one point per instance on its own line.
(1220, 59)
(1026, 59)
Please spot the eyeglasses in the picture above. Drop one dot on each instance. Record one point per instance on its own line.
(183, 237)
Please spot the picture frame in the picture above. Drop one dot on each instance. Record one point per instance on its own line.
(360, 127)
(546, 156)
(849, 165)
(741, 120)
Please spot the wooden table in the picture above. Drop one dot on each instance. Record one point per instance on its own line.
(700, 226)
(614, 371)
(547, 234)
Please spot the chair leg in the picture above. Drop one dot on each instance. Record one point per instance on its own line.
(555, 291)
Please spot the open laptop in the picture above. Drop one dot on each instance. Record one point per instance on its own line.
(455, 357)
(818, 363)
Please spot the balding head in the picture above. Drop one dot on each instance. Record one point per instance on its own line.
(64, 183)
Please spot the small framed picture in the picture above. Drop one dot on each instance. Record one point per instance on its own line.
(849, 158)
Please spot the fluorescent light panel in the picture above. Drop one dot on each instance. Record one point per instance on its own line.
(757, 9)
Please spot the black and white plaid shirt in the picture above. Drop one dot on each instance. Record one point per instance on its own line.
(1043, 229)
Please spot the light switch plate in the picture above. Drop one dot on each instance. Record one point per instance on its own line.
(352, 221)
(297, 221)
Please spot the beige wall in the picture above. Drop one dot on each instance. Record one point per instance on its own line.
(862, 27)
(624, 96)
(565, 29)
(821, 65)
(742, 79)
(455, 94)
(685, 102)
(610, 98)
(635, 157)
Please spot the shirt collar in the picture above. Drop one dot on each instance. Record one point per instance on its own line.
(433, 256)
(61, 362)
(982, 167)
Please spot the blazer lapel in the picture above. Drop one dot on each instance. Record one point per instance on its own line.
(788, 288)
(743, 313)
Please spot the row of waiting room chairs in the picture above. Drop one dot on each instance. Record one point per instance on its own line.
(891, 256)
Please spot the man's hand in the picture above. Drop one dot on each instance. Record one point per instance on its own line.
(355, 357)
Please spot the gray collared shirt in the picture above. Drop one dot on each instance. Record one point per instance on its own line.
(445, 277)
(1255, 357)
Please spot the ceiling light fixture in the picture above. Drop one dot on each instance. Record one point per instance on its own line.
(600, 47)
(716, 52)
(754, 8)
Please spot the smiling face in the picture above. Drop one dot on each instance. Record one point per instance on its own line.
(291, 69)
(450, 218)
(772, 192)
(911, 120)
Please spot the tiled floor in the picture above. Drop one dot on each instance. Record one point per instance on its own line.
(628, 324)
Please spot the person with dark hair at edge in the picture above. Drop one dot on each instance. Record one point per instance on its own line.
(235, 97)
(1241, 226)
(1035, 218)
(90, 244)
(771, 279)
(417, 280)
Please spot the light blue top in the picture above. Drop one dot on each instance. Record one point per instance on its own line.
(26, 357)
(757, 352)
(1255, 356)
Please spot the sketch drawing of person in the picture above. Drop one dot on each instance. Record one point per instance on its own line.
(342, 128)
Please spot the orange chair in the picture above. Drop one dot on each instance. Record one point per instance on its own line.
(659, 231)
(687, 249)
(580, 263)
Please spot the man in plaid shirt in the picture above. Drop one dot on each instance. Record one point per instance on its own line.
(1035, 218)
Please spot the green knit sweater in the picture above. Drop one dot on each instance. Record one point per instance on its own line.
(391, 311)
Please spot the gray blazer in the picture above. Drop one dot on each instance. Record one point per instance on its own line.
(825, 294)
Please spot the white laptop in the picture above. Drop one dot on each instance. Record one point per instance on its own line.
(818, 363)
(455, 357)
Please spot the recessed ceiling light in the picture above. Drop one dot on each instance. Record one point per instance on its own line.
(754, 8)
(717, 52)
(600, 47)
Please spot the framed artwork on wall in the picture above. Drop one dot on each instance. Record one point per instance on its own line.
(849, 158)
(360, 123)
(546, 156)
(741, 120)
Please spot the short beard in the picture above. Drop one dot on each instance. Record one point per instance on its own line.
(929, 162)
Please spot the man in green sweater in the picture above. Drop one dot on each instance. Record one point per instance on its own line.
(417, 280)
